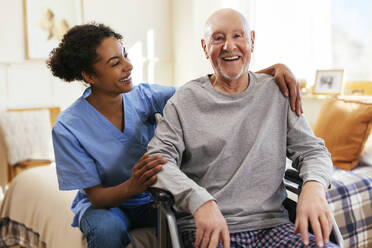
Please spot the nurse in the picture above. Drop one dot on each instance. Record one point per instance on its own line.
(100, 141)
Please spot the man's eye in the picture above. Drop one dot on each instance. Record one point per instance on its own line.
(115, 64)
(126, 55)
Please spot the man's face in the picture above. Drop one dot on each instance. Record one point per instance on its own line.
(227, 46)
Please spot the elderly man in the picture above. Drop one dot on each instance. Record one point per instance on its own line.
(226, 137)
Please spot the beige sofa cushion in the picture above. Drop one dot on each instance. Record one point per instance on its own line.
(33, 199)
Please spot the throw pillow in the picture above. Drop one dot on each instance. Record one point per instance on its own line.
(27, 135)
(366, 156)
(344, 125)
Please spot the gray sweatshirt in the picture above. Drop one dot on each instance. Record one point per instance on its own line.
(232, 148)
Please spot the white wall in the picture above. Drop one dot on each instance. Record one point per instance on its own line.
(297, 33)
(145, 25)
(26, 83)
(12, 37)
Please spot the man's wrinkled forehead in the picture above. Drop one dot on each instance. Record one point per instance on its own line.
(225, 20)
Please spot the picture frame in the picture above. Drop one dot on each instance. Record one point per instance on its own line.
(329, 82)
(46, 21)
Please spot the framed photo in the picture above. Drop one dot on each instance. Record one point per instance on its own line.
(329, 82)
(46, 21)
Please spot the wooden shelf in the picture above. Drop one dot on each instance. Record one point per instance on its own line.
(321, 97)
(24, 165)
(356, 98)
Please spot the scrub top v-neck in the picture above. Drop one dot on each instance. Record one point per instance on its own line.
(107, 125)
(90, 150)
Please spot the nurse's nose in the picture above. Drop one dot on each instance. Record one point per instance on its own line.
(127, 65)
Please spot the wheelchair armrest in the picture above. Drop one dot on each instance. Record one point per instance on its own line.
(293, 182)
(167, 221)
(161, 196)
(293, 176)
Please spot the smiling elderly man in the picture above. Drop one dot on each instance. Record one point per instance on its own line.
(226, 137)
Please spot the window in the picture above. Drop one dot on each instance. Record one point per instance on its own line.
(309, 35)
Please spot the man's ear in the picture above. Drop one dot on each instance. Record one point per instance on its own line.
(88, 77)
(204, 46)
(253, 36)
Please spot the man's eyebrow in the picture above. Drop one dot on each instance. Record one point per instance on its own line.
(112, 58)
(216, 33)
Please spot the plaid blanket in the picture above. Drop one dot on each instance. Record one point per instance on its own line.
(350, 199)
(14, 233)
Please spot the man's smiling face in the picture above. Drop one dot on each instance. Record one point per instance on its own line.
(227, 45)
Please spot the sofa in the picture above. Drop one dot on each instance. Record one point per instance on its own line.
(34, 212)
(345, 124)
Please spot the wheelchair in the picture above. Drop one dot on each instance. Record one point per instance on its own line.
(167, 227)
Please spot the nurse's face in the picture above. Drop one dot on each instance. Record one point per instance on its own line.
(113, 68)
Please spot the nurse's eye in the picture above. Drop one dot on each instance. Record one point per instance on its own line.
(116, 63)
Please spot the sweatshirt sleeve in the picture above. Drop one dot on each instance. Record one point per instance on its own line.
(301, 141)
(168, 142)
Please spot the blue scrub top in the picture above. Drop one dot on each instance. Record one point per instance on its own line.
(90, 150)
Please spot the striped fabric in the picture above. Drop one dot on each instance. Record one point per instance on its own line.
(350, 199)
(280, 236)
(14, 233)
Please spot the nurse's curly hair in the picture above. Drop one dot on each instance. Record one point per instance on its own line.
(77, 51)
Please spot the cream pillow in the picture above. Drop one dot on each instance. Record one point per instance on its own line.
(366, 156)
(27, 135)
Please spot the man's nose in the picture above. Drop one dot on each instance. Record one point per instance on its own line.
(229, 44)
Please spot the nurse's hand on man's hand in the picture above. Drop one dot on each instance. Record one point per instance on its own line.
(144, 172)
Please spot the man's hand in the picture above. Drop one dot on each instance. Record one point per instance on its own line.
(313, 207)
(211, 226)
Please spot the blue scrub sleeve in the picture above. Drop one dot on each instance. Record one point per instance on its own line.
(75, 168)
(157, 95)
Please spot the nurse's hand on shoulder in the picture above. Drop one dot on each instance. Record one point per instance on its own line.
(287, 83)
(144, 172)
